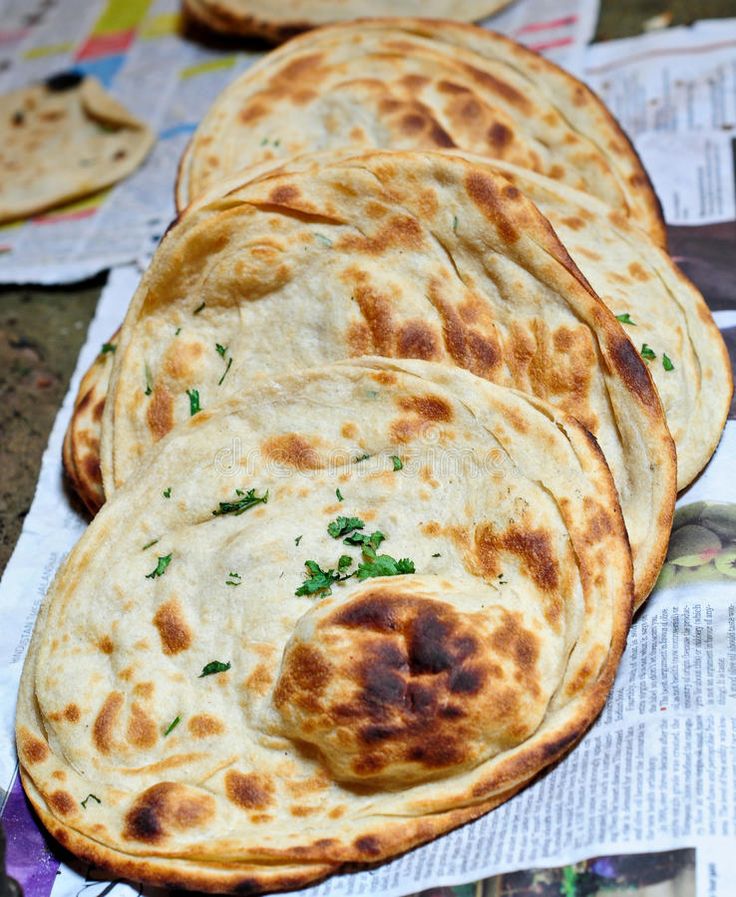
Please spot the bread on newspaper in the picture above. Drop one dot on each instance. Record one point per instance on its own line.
(62, 140)
(279, 20)
(198, 710)
(400, 254)
(420, 84)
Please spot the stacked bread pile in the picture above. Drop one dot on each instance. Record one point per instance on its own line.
(388, 444)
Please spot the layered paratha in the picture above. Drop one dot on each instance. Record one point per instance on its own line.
(398, 254)
(277, 21)
(64, 139)
(199, 709)
(420, 84)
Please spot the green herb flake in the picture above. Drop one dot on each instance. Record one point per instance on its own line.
(149, 380)
(93, 797)
(625, 318)
(437, 555)
(373, 540)
(454, 224)
(647, 353)
(344, 562)
(149, 544)
(317, 581)
(221, 350)
(214, 666)
(167, 492)
(107, 347)
(667, 363)
(325, 241)
(341, 526)
(360, 458)
(235, 579)
(244, 502)
(339, 495)
(398, 463)
(199, 308)
(161, 566)
(194, 406)
(177, 331)
(298, 540)
(227, 368)
(382, 565)
(172, 725)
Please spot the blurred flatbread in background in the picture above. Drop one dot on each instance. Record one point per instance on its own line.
(279, 20)
(63, 139)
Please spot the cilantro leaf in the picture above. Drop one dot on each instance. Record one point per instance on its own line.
(647, 353)
(667, 363)
(108, 347)
(298, 540)
(221, 350)
(360, 458)
(174, 723)
(243, 503)
(382, 565)
(398, 463)
(167, 492)
(344, 562)
(227, 368)
(318, 580)
(161, 566)
(339, 495)
(341, 526)
(194, 406)
(625, 318)
(214, 666)
(234, 579)
(149, 544)
(373, 541)
(93, 796)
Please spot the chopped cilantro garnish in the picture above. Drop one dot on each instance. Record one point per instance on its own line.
(149, 544)
(214, 666)
(667, 363)
(398, 463)
(646, 353)
(360, 458)
(172, 725)
(177, 331)
(221, 350)
(318, 580)
(234, 580)
(244, 502)
(625, 318)
(454, 223)
(437, 555)
(107, 347)
(167, 492)
(339, 495)
(344, 562)
(298, 540)
(161, 566)
(93, 796)
(224, 373)
(341, 526)
(199, 308)
(382, 565)
(194, 406)
(373, 541)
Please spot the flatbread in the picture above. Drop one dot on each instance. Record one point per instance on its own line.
(420, 84)
(81, 448)
(348, 727)
(400, 254)
(278, 21)
(62, 140)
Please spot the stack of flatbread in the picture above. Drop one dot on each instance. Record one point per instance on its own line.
(388, 445)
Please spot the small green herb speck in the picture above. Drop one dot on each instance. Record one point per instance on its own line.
(398, 463)
(244, 502)
(360, 458)
(437, 555)
(167, 492)
(199, 308)
(626, 319)
(161, 566)
(214, 666)
(149, 380)
(339, 495)
(234, 580)
(647, 353)
(177, 331)
(298, 540)
(93, 796)
(454, 223)
(227, 368)
(194, 406)
(149, 544)
(107, 347)
(667, 363)
(172, 725)
(221, 350)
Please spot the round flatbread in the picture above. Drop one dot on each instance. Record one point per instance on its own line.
(377, 596)
(275, 22)
(399, 254)
(62, 140)
(420, 84)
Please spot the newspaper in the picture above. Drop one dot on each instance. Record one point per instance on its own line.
(649, 795)
(135, 49)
